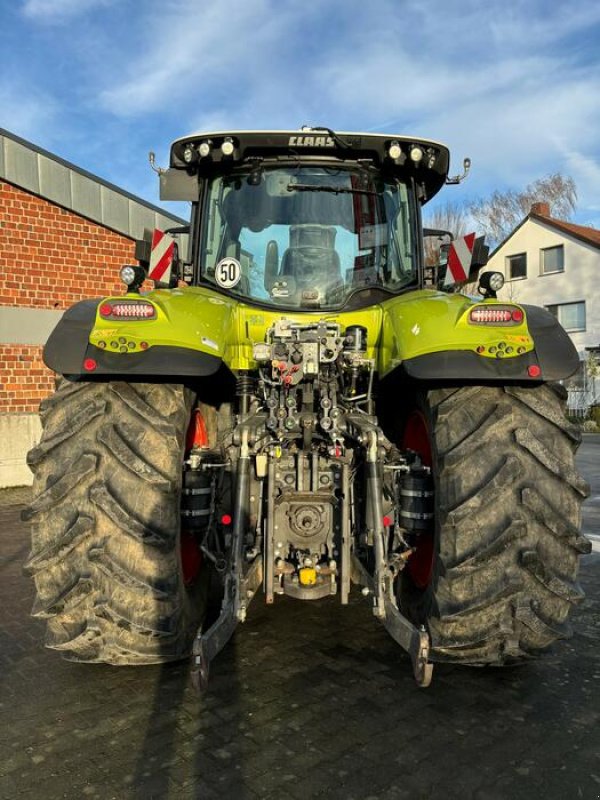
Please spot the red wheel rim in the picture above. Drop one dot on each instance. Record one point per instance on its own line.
(420, 564)
(191, 558)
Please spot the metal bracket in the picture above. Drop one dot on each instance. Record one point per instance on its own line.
(414, 640)
(209, 644)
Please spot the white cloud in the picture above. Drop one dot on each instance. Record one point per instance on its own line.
(513, 85)
(194, 51)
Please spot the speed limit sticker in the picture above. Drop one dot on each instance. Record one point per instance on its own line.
(228, 273)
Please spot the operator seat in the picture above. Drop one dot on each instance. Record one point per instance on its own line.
(311, 257)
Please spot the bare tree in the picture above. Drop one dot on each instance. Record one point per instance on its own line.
(498, 214)
(450, 217)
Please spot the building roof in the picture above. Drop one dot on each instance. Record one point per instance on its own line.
(42, 173)
(584, 234)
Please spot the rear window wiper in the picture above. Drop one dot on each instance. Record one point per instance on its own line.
(313, 187)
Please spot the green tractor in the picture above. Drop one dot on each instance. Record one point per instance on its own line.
(302, 405)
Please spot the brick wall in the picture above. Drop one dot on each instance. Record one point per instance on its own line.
(49, 258)
(24, 378)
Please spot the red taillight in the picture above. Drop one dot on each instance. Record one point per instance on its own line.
(127, 309)
(387, 521)
(495, 315)
(534, 371)
(89, 365)
(226, 519)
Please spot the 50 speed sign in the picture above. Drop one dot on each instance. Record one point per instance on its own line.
(228, 273)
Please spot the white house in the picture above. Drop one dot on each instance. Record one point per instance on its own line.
(555, 264)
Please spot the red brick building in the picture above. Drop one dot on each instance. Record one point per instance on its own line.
(64, 234)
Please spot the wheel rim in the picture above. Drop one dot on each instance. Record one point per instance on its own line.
(420, 564)
(191, 558)
(190, 554)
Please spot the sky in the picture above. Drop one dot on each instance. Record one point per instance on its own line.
(513, 85)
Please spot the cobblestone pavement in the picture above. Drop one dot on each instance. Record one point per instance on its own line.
(307, 701)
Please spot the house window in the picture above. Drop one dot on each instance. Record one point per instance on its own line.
(552, 259)
(570, 315)
(516, 266)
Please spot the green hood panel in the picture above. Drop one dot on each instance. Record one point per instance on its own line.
(205, 321)
(405, 331)
(399, 329)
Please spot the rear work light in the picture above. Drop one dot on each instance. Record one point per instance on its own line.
(496, 315)
(127, 309)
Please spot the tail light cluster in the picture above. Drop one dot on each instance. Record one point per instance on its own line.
(503, 315)
(127, 309)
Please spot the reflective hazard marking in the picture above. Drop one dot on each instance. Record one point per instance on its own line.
(228, 273)
(459, 260)
(161, 256)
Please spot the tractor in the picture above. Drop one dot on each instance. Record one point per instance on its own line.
(299, 405)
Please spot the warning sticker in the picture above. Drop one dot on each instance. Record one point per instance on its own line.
(228, 273)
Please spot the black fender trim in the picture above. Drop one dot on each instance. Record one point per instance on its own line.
(557, 355)
(161, 360)
(68, 347)
(464, 365)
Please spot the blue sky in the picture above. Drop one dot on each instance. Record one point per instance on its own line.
(513, 85)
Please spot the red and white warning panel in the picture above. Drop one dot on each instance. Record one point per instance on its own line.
(162, 255)
(460, 256)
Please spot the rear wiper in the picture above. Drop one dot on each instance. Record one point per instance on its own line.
(311, 187)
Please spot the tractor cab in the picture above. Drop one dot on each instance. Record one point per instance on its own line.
(314, 220)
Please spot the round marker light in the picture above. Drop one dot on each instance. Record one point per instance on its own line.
(204, 149)
(226, 519)
(227, 147)
(189, 154)
(127, 274)
(496, 281)
(394, 150)
(132, 276)
(534, 371)
(416, 154)
(490, 283)
(89, 365)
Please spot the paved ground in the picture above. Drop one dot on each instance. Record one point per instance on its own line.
(308, 701)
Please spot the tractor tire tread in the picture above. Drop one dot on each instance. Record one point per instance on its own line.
(105, 521)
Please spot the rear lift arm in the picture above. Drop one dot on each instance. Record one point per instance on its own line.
(412, 639)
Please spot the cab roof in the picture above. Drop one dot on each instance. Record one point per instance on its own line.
(425, 160)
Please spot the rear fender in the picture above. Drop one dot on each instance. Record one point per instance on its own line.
(186, 337)
(429, 336)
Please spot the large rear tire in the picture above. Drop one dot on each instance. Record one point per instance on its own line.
(508, 511)
(106, 554)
